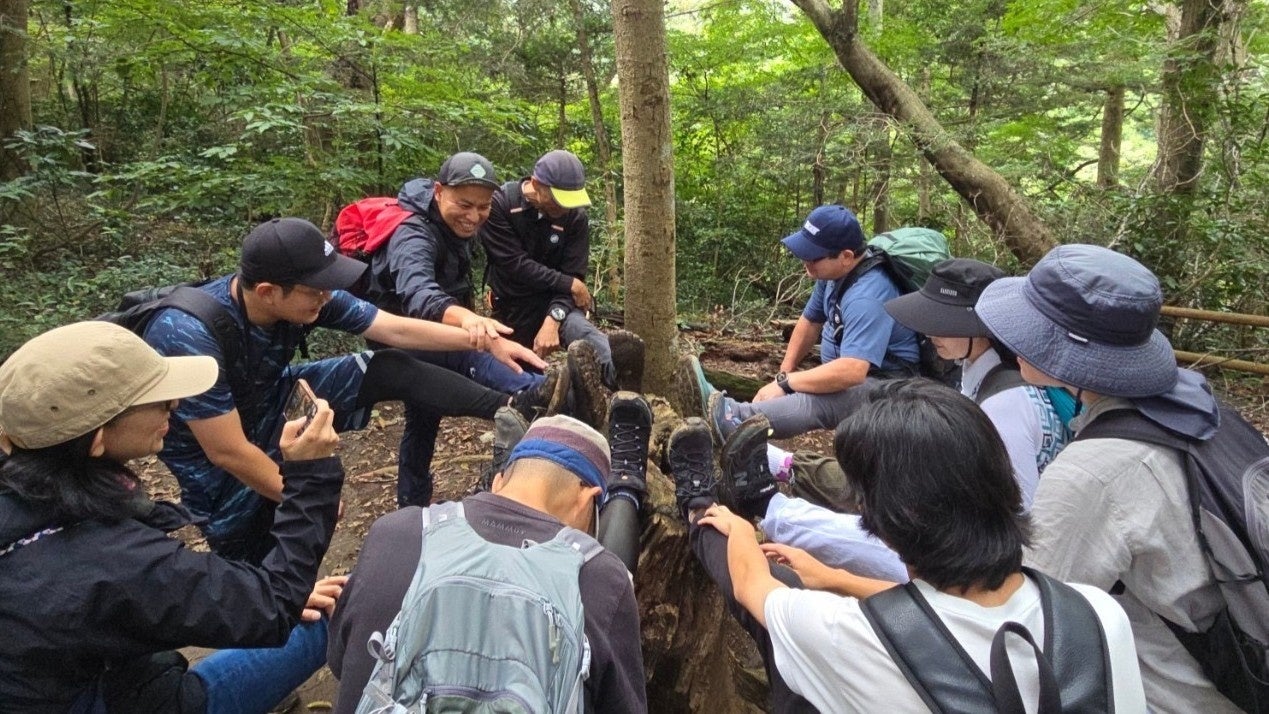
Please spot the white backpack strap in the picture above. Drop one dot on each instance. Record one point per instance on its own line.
(580, 542)
(441, 512)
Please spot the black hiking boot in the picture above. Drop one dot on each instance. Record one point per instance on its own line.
(629, 428)
(589, 404)
(509, 428)
(691, 457)
(747, 484)
(547, 398)
(627, 360)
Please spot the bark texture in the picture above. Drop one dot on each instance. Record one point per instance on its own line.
(648, 170)
(15, 86)
(997, 204)
(1112, 138)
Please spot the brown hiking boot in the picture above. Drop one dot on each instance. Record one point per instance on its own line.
(589, 404)
(627, 360)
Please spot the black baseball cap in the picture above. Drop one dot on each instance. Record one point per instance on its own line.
(466, 168)
(292, 251)
(945, 305)
(562, 172)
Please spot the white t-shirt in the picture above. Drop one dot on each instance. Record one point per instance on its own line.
(827, 652)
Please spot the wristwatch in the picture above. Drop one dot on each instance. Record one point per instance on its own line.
(558, 313)
(782, 380)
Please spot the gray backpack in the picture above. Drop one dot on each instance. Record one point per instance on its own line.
(485, 627)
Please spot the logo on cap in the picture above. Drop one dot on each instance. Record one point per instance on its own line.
(555, 238)
(949, 292)
(477, 170)
(328, 247)
(810, 228)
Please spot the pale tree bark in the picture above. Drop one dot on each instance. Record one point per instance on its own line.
(879, 159)
(995, 202)
(410, 21)
(1112, 138)
(603, 151)
(15, 86)
(648, 173)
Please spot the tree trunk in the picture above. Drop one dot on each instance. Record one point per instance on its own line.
(879, 157)
(997, 204)
(15, 87)
(648, 177)
(603, 151)
(1112, 138)
(410, 21)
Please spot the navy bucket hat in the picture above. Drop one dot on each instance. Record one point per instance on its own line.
(1086, 316)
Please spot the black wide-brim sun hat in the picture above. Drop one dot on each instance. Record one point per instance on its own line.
(1085, 316)
(945, 304)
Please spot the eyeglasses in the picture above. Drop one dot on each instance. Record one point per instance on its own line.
(167, 406)
(312, 293)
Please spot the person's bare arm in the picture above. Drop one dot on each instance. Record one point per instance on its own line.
(226, 445)
(818, 576)
(409, 333)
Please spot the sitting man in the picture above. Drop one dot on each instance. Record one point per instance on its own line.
(858, 340)
(555, 476)
(935, 485)
(222, 444)
(538, 242)
(1114, 512)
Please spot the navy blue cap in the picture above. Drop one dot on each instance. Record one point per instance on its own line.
(827, 231)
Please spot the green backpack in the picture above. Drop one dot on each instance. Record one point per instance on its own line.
(912, 253)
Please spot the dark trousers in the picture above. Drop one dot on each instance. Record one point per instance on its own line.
(710, 548)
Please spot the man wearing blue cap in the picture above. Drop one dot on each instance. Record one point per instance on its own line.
(858, 339)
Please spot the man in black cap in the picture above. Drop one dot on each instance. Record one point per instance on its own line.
(223, 445)
(538, 242)
(424, 272)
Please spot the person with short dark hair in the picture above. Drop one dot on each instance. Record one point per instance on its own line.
(538, 242)
(95, 595)
(935, 485)
(858, 340)
(1113, 512)
(222, 446)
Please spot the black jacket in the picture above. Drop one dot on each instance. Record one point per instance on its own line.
(424, 268)
(531, 254)
(96, 595)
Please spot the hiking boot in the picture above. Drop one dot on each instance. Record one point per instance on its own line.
(629, 428)
(627, 360)
(722, 419)
(509, 428)
(544, 399)
(747, 485)
(691, 457)
(692, 387)
(586, 375)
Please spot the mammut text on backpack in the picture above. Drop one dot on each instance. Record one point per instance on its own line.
(485, 627)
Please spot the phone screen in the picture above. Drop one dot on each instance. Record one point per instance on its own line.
(300, 404)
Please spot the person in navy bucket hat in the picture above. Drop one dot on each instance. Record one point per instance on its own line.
(1111, 511)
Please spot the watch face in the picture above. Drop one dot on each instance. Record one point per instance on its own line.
(558, 313)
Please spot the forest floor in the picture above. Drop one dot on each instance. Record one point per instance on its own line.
(463, 450)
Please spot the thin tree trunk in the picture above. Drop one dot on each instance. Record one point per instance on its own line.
(997, 204)
(410, 21)
(603, 151)
(1112, 138)
(818, 168)
(647, 161)
(879, 157)
(15, 87)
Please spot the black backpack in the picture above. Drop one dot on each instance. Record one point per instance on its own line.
(138, 308)
(1073, 665)
(1227, 478)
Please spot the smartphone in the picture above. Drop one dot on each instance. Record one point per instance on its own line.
(302, 403)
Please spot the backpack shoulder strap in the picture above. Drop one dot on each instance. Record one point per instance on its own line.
(1000, 378)
(1075, 646)
(441, 512)
(930, 658)
(214, 315)
(1131, 424)
(580, 542)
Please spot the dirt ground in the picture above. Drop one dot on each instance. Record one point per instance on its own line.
(463, 448)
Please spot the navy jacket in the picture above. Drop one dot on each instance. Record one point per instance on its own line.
(425, 268)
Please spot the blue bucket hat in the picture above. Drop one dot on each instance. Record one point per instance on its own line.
(1086, 316)
(827, 231)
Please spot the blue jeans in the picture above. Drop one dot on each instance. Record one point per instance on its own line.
(418, 440)
(253, 681)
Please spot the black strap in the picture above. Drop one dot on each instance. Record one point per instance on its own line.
(946, 677)
(1000, 378)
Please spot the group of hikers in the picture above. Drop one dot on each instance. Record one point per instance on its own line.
(924, 564)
